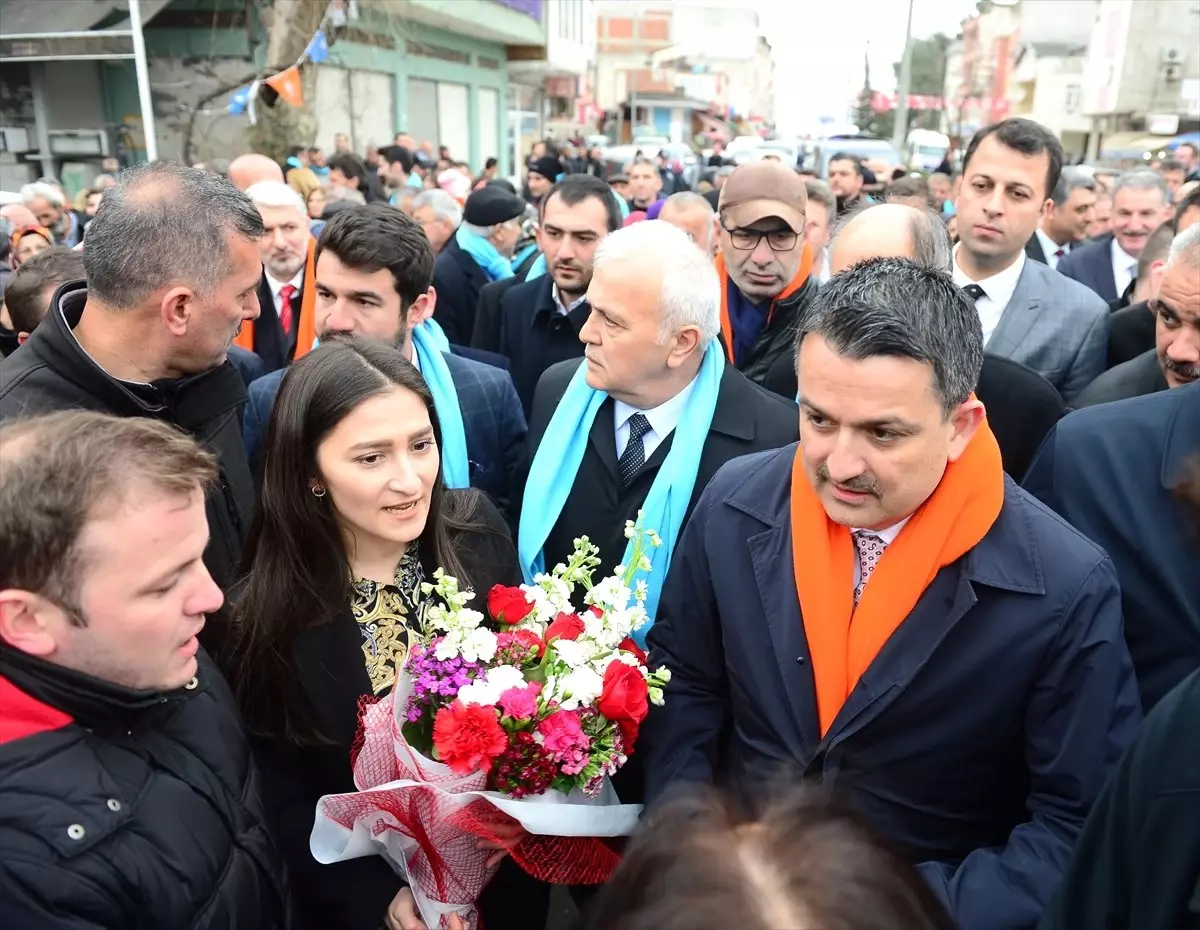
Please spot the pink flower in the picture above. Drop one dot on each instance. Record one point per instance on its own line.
(520, 703)
(564, 740)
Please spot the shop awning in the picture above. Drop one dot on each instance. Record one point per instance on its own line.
(1132, 144)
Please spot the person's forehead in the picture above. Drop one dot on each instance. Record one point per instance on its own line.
(1140, 196)
(993, 157)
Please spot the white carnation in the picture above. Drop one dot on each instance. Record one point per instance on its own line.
(573, 651)
(579, 688)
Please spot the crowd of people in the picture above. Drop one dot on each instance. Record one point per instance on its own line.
(248, 410)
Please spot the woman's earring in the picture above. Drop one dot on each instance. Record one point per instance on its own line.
(317, 490)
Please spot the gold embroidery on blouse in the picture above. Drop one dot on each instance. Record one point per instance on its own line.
(386, 615)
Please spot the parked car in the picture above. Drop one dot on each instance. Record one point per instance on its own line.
(864, 147)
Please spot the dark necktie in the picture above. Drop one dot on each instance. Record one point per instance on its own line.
(1061, 253)
(974, 291)
(634, 456)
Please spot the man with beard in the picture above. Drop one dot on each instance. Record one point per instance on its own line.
(52, 211)
(173, 269)
(847, 177)
(540, 320)
(1066, 222)
(1175, 359)
(878, 605)
(284, 330)
(373, 276)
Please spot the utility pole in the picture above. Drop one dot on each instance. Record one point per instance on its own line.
(900, 130)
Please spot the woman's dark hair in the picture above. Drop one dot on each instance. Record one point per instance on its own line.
(297, 571)
(695, 864)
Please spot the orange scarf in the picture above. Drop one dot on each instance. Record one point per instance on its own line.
(843, 640)
(806, 262)
(306, 335)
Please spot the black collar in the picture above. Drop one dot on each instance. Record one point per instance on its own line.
(93, 703)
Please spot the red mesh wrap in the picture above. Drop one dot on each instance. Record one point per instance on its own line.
(448, 866)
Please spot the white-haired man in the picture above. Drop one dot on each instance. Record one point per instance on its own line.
(52, 211)
(651, 413)
(438, 214)
(695, 216)
(285, 327)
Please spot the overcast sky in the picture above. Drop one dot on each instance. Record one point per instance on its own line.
(819, 46)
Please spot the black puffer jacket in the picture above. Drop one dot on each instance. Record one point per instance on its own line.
(125, 810)
(776, 344)
(52, 372)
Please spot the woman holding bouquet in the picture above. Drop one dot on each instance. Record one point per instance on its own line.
(352, 520)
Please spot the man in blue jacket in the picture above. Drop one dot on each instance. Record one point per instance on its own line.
(374, 271)
(881, 609)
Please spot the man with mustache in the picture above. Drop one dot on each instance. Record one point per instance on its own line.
(1028, 312)
(540, 319)
(880, 607)
(1175, 359)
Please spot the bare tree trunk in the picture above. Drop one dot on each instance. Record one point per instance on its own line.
(293, 23)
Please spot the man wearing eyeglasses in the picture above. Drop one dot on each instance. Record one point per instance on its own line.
(764, 266)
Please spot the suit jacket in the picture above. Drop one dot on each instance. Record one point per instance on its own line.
(1022, 406)
(1130, 333)
(1110, 470)
(1054, 326)
(249, 364)
(492, 420)
(1091, 264)
(270, 343)
(976, 741)
(1142, 375)
(457, 280)
(1033, 248)
(747, 419)
(486, 334)
(534, 335)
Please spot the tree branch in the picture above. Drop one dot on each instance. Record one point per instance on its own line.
(205, 101)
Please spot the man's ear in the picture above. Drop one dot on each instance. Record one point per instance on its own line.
(422, 308)
(27, 621)
(176, 309)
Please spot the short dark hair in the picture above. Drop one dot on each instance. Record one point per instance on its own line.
(23, 296)
(1028, 138)
(348, 164)
(1071, 179)
(374, 236)
(56, 470)
(903, 308)
(394, 153)
(802, 855)
(576, 188)
(1171, 165)
(1191, 200)
(853, 159)
(490, 163)
(907, 187)
(1158, 244)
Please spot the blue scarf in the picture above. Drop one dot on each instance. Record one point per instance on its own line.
(537, 269)
(431, 346)
(522, 255)
(746, 319)
(494, 265)
(556, 464)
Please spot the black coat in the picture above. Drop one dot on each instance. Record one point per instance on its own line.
(457, 280)
(329, 666)
(772, 355)
(1137, 863)
(1091, 264)
(1138, 376)
(1022, 407)
(275, 347)
(747, 419)
(1130, 333)
(51, 372)
(534, 335)
(129, 809)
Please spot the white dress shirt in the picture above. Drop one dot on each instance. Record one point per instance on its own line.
(887, 536)
(562, 308)
(997, 291)
(1050, 249)
(277, 286)
(1124, 267)
(663, 419)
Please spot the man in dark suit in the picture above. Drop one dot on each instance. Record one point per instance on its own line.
(480, 251)
(282, 291)
(1108, 265)
(961, 676)
(1021, 405)
(540, 320)
(374, 268)
(1111, 470)
(644, 355)
(1072, 206)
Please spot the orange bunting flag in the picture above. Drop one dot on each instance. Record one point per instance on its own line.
(288, 85)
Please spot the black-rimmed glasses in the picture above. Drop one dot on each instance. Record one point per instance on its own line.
(746, 240)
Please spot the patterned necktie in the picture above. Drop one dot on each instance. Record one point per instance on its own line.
(870, 549)
(286, 293)
(634, 456)
(1061, 253)
(974, 291)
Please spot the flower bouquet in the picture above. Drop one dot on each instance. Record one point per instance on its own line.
(485, 730)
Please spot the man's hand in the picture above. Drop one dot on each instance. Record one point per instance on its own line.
(508, 836)
(402, 914)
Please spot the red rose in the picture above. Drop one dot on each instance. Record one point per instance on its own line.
(625, 699)
(468, 737)
(508, 604)
(628, 645)
(565, 626)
